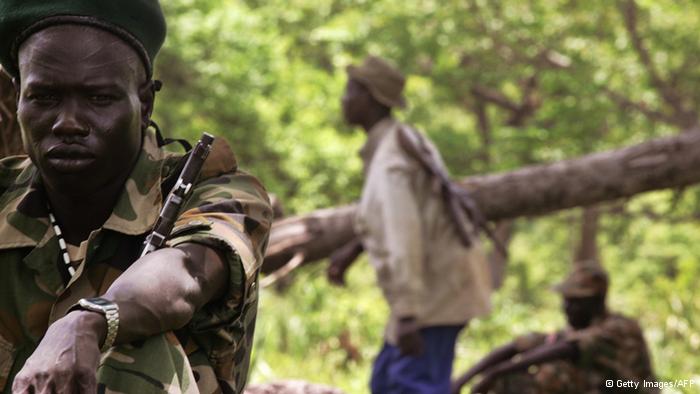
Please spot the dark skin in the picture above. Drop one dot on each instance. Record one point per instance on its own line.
(580, 313)
(73, 113)
(341, 260)
(360, 108)
(82, 93)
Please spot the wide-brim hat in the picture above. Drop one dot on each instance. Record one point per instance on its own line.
(384, 81)
(140, 23)
(587, 279)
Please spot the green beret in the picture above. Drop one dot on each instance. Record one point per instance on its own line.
(138, 22)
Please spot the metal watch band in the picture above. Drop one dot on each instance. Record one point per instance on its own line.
(111, 312)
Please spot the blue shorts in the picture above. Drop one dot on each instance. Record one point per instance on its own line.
(428, 373)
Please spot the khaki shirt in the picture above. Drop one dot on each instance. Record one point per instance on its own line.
(422, 267)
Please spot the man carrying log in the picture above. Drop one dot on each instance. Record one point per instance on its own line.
(80, 311)
(433, 281)
(600, 352)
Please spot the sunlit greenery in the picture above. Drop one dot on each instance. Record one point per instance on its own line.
(268, 75)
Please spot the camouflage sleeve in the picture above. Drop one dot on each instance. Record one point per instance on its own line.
(595, 343)
(10, 169)
(615, 345)
(230, 213)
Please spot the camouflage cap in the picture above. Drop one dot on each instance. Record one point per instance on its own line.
(383, 80)
(587, 279)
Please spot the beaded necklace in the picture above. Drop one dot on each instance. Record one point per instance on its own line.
(62, 244)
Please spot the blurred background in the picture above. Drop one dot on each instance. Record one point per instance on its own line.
(497, 85)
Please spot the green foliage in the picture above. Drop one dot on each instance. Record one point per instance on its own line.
(268, 75)
(302, 329)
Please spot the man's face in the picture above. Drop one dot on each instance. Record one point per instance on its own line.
(80, 107)
(580, 311)
(355, 101)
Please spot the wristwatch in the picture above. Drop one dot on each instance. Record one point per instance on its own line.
(109, 309)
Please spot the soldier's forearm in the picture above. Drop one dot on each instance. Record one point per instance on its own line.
(555, 351)
(161, 291)
(499, 355)
(348, 254)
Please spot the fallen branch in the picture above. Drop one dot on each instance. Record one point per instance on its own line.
(670, 162)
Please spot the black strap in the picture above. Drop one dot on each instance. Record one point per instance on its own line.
(165, 141)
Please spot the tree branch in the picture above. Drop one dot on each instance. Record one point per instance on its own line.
(684, 116)
(493, 96)
(520, 112)
(641, 107)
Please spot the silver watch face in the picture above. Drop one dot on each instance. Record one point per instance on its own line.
(97, 304)
(100, 301)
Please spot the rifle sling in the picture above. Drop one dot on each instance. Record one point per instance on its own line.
(461, 208)
(452, 204)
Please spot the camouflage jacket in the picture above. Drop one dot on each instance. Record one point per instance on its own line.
(228, 210)
(612, 348)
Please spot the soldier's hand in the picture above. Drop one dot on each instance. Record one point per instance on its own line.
(484, 385)
(456, 386)
(66, 360)
(410, 341)
(339, 263)
(341, 260)
(336, 273)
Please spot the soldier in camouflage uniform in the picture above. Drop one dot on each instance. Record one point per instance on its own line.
(186, 313)
(598, 346)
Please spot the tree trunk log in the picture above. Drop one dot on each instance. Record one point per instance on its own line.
(497, 260)
(670, 162)
(587, 249)
(315, 235)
